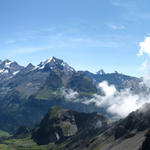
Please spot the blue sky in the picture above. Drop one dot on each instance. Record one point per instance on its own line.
(87, 34)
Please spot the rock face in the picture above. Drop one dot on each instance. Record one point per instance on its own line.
(146, 143)
(137, 121)
(131, 133)
(60, 124)
(100, 72)
(57, 125)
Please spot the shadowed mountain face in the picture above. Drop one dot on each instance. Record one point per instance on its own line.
(63, 129)
(137, 121)
(59, 124)
(131, 133)
(27, 93)
(146, 143)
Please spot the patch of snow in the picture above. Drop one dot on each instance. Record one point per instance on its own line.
(7, 64)
(63, 64)
(42, 67)
(16, 72)
(3, 71)
(43, 63)
(35, 68)
(51, 59)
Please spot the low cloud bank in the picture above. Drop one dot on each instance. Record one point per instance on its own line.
(120, 104)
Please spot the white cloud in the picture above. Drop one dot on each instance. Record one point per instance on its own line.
(145, 47)
(124, 103)
(69, 94)
(118, 103)
(109, 90)
(145, 66)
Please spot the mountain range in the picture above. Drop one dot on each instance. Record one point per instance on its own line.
(45, 107)
(27, 93)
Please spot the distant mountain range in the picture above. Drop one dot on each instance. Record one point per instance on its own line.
(27, 93)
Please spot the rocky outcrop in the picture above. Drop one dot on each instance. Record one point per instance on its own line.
(60, 124)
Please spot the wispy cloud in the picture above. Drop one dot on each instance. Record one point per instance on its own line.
(115, 26)
(132, 10)
(10, 41)
(53, 38)
(123, 3)
(136, 16)
(28, 50)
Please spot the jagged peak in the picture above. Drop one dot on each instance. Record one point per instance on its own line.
(52, 62)
(7, 60)
(101, 72)
(9, 67)
(52, 59)
(30, 65)
(116, 72)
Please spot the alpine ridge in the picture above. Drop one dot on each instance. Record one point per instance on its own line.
(27, 93)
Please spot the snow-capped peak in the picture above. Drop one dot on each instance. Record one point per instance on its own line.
(9, 67)
(53, 63)
(51, 59)
(44, 62)
(7, 64)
